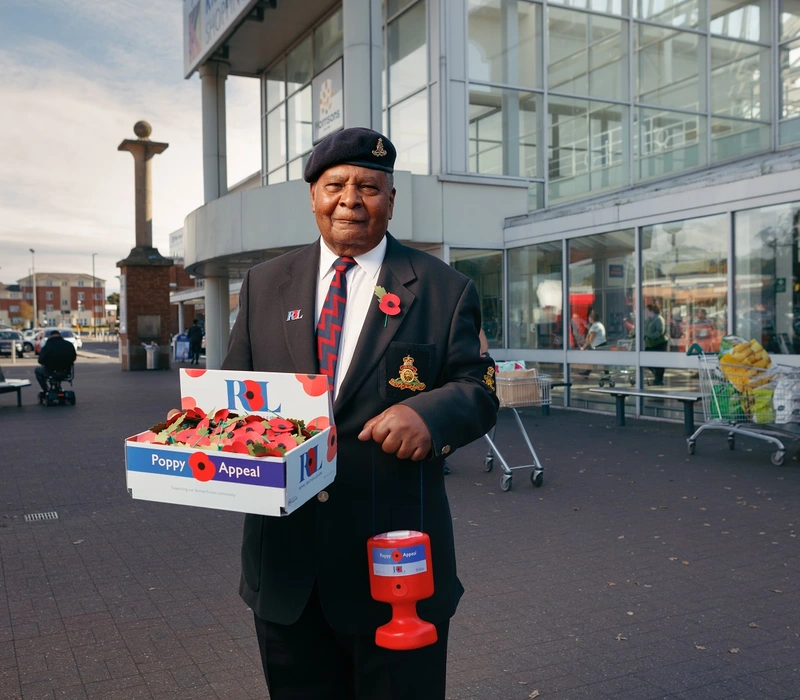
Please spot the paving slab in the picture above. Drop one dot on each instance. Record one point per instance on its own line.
(635, 571)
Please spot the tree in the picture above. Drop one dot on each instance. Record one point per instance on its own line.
(25, 311)
(113, 299)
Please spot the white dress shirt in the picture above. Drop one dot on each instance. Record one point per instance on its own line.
(361, 281)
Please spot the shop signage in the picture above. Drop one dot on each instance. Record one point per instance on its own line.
(616, 271)
(205, 27)
(327, 101)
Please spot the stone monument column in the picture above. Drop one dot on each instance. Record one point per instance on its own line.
(144, 279)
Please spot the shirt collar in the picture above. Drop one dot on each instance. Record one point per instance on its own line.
(370, 261)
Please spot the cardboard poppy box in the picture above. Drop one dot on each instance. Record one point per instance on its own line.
(217, 471)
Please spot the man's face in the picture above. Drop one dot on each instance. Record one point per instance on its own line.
(353, 206)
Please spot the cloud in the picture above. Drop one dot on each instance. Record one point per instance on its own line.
(65, 190)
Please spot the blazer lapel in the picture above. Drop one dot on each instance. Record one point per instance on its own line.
(297, 296)
(396, 273)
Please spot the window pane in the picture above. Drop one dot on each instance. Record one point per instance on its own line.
(276, 177)
(735, 139)
(409, 133)
(741, 19)
(276, 137)
(614, 7)
(685, 275)
(396, 6)
(668, 142)
(790, 19)
(299, 107)
(669, 64)
(602, 279)
(275, 85)
(503, 131)
(504, 36)
(587, 54)
(299, 66)
(328, 41)
(485, 269)
(790, 80)
(297, 166)
(739, 79)
(768, 277)
(587, 147)
(678, 13)
(408, 66)
(585, 377)
(535, 304)
(682, 380)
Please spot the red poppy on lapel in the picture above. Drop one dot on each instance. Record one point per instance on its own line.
(388, 303)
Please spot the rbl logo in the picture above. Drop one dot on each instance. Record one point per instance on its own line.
(308, 463)
(252, 396)
(294, 315)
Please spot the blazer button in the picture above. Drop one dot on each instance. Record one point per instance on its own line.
(322, 496)
(446, 450)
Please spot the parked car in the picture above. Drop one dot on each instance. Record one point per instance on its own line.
(43, 335)
(28, 338)
(7, 337)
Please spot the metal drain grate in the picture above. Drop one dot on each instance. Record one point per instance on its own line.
(32, 517)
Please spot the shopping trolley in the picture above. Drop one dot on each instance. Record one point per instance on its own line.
(743, 400)
(612, 377)
(518, 389)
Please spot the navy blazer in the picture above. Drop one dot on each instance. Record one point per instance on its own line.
(373, 492)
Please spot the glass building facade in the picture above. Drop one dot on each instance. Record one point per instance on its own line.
(586, 103)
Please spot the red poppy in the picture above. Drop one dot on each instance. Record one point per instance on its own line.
(313, 384)
(332, 446)
(203, 468)
(284, 440)
(390, 304)
(195, 372)
(281, 425)
(188, 402)
(236, 446)
(252, 396)
(221, 415)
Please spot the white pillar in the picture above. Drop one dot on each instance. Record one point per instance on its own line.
(215, 185)
(363, 62)
(181, 321)
(216, 321)
(215, 149)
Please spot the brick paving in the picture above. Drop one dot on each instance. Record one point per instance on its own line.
(634, 572)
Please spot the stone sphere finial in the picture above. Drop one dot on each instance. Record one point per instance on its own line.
(142, 129)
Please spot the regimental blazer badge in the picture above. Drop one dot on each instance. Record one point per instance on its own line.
(488, 378)
(408, 376)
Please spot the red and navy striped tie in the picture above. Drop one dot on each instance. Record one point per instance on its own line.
(329, 327)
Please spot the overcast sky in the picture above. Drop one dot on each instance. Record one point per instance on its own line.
(76, 76)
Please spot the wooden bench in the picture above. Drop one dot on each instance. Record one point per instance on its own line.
(9, 385)
(688, 401)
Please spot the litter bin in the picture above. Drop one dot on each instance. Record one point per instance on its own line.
(152, 356)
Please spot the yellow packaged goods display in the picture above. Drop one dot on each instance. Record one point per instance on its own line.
(745, 366)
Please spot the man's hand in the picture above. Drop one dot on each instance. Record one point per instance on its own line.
(400, 431)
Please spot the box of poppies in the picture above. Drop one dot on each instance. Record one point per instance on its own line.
(251, 442)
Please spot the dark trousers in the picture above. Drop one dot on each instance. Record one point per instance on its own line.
(310, 661)
(658, 372)
(41, 377)
(194, 350)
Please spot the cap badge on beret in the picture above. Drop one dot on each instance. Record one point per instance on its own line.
(379, 151)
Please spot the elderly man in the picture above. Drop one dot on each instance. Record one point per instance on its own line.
(306, 576)
(57, 355)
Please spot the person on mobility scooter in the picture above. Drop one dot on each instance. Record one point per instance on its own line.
(57, 360)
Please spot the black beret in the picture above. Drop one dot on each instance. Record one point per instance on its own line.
(354, 146)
